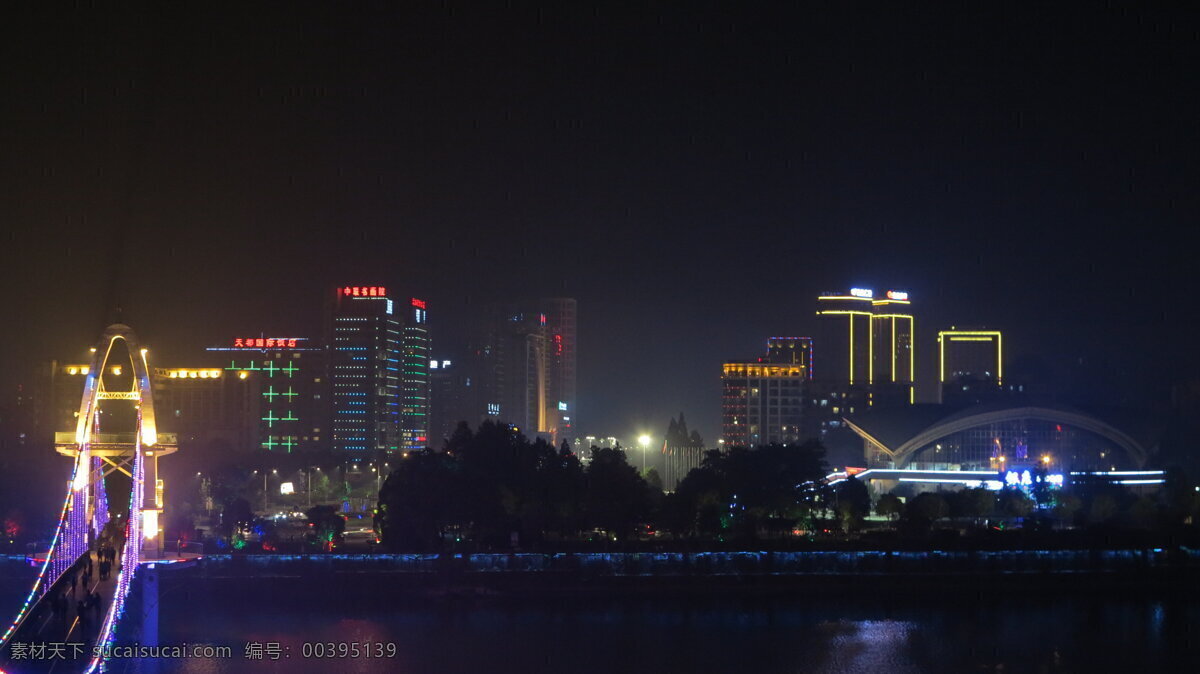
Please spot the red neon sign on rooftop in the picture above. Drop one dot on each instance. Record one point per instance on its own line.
(364, 291)
(264, 343)
(420, 304)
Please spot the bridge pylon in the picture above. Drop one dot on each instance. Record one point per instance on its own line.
(115, 452)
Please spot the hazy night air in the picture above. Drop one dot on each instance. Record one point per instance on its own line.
(940, 245)
(693, 178)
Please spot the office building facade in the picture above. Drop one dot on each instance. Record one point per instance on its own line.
(364, 353)
(970, 365)
(526, 365)
(452, 399)
(414, 378)
(868, 346)
(893, 373)
(762, 403)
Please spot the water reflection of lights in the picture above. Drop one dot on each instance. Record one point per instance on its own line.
(868, 646)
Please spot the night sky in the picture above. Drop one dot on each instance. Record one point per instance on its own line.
(693, 176)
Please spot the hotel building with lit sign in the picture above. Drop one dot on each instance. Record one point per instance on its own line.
(287, 390)
(868, 346)
(866, 356)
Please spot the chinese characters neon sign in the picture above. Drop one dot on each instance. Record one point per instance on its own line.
(265, 342)
(364, 291)
(420, 304)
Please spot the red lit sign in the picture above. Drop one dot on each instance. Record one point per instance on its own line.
(558, 345)
(364, 291)
(264, 343)
(420, 304)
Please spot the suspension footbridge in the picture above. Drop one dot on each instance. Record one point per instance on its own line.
(67, 605)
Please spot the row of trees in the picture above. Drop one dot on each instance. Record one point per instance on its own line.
(494, 487)
(492, 484)
(1095, 506)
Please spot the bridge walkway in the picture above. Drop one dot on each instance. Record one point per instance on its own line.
(76, 630)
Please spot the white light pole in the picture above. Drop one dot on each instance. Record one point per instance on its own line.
(644, 441)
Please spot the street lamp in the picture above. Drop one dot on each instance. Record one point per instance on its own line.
(644, 441)
(264, 491)
(309, 472)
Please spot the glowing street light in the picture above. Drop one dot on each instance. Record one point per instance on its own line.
(644, 441)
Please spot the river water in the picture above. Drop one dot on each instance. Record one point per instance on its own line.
(792, 632)
(693, 634)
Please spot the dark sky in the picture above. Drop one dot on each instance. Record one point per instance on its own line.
(693, 176)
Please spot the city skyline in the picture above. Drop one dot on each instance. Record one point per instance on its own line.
(688, 225)
(882, 312)
(707, 418)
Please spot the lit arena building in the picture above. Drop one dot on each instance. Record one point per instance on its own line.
(997, 436)
(1014, 443)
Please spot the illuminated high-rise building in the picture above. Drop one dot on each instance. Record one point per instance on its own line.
(867, 344)
(414, 378)
(845, 337)
(969, 362)
(762, 401)
(526, 366)
(893, 373)
(561, 415)
(364, 341)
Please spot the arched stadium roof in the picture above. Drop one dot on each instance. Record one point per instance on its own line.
(901, 431)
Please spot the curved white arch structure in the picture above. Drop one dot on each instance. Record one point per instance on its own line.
(93, 388)
(903, 454)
